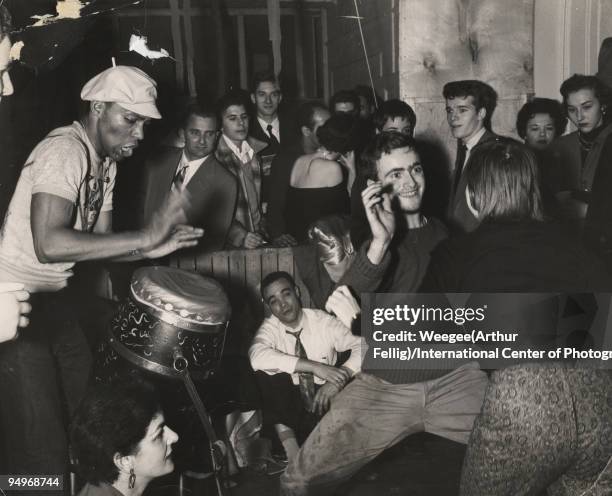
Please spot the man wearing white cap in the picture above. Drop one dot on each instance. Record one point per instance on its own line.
(60, 214)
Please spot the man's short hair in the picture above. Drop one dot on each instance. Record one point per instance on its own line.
(306, 113)
(484, 95)
(393, 109)
(541, 106)
(234, 97)
(344, 96)
(263, 77)
(273, 277)
(502, 181)
(383, 144)
(579, 82)
(198, 110)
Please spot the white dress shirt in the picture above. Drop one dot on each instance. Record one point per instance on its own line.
(244, 153)
(275, 127)
(472, 142)
(192, 167)
(273, 350)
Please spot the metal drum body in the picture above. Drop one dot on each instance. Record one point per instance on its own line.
(172, 320)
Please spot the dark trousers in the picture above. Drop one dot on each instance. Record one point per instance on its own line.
(282, 404)
(43, 376)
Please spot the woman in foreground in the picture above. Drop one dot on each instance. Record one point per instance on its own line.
(120, 440)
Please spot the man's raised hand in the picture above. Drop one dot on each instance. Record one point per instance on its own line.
(377, 204)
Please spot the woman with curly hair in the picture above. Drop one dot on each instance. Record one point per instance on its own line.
(120, 440)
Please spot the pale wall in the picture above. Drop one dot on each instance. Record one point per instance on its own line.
(446, 40)
(567, 37)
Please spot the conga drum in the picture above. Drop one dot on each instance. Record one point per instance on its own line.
(171, 327)
(172, 320)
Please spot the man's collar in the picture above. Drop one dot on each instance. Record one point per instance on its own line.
(245, 148)
(193, 163)
(473, 141)
(264, 124)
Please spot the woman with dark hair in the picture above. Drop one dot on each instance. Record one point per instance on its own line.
(539, 122)
(512, 249)
(576, 157)
(120, 440)
(321, 181)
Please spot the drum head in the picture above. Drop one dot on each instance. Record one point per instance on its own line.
(187, 295)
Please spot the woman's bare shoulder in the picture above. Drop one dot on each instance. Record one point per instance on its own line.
(326, 172)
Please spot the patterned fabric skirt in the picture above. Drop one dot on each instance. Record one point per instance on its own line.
(543, 427)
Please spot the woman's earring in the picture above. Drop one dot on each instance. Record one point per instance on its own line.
(132, 480)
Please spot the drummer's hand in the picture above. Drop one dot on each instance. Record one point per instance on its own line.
(254, 240)
(182, 237)
(14, 308)
(165, 220)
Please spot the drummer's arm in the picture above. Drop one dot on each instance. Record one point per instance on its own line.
(104, 225)
(56, 241)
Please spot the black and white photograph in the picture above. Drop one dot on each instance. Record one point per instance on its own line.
(306, 247)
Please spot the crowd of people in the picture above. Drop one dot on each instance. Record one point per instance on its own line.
(345, 185)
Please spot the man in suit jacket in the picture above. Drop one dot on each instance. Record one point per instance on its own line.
(267, 125)
(213, 190)
(469, 108)
(238, 153)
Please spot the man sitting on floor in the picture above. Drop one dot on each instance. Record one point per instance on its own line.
(294, 352)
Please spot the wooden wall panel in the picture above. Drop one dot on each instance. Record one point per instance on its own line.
(241, 271)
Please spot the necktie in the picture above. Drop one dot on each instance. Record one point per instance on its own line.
(307, 385)
(179, 178)
(459, 163)
(273, 141)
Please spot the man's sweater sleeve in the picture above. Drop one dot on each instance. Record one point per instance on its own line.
(363, 276)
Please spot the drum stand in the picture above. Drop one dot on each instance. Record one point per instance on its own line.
(218, 450)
